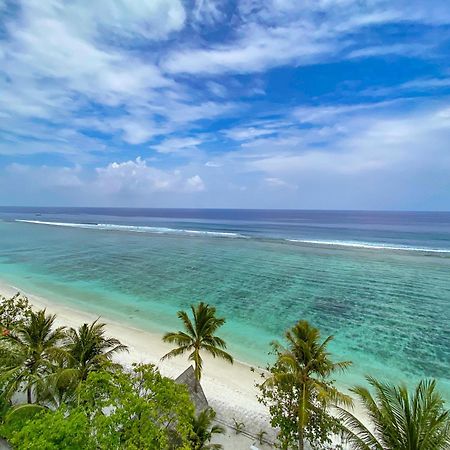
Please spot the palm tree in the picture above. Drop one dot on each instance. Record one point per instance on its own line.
(89, 349)
(35, 346)
(203, 431)
(306, 365)
(199, 335)
(86, 350)
(400, 420)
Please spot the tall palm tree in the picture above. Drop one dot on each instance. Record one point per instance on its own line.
(86, 349)
(89, 349)
(204, 430)
(400, 420)
(199, 335)
(307, 365)
(35, 346)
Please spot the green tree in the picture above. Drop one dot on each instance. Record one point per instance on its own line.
(298, 390)
(87, 349)
(118, 409)
(52, 430)
(34, 346)
(14, 311)
(203, 431)
(146, 410)
(198, 335)
(400, 420)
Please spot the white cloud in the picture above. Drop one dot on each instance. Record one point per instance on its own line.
(275, 33)
(208, 12)
(151, 19)
(405, 140)
(138, 178)
(277, 182)
(258, 49)
(195, 184)
(173, 145)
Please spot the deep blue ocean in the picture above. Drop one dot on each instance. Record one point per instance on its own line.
(378, 281)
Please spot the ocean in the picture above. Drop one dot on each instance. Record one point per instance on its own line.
(378, 281)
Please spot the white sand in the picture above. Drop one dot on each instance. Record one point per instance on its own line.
(230, 389)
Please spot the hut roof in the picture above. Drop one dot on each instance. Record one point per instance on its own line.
(197, 396)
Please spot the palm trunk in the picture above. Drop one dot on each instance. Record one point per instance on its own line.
(197, 369)
(301, 443)
(301, 424)
(29, 399)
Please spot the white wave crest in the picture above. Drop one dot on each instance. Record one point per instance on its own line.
(370, 245)
(135, 228)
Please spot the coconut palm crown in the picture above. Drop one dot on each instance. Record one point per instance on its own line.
(401, 420)
(198, 335)
(35, 346)
(203, 430)
(306, 364)
(89, 349)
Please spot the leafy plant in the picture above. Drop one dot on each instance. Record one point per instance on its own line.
(238, 426)
(14, 311)
(33, 346)
(116, 410)
(260, 436)
(203, 431)
(401, 420)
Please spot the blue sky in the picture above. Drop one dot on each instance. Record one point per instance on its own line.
(334, 104)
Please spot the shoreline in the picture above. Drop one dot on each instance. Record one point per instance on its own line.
(230, 389)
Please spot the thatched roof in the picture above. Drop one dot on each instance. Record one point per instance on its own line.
(197, 396)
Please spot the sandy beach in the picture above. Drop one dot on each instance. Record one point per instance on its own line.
(230, 389)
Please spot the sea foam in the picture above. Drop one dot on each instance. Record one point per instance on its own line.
(134, 228)
(369, 245)
(225, 234)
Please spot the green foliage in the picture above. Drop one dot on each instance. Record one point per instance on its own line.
(145, 409)
(54, 430)
(86, 349)
(402, 420)
(116, 410)
(199, 335)
(17, 417)
(89, 349)
(14, 311)
(203, 431)
(299, 391)
(238, 426)
(33, 345)
(260, 436)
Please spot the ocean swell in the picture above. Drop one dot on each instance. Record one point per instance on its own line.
(135, 228)
(225, 234)
(369, 245)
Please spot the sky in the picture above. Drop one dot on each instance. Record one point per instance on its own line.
(315, 104)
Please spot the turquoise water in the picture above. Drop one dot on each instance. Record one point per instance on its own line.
(388, 309)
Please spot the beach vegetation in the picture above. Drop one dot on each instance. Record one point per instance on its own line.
(400, 419)
(198, 336)
(136, 408)
(14, 311)
(33, 346)
(260, 436)
(59, 388)
(88, 349)
(238, 426)
(204, 429)
(299, 390)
